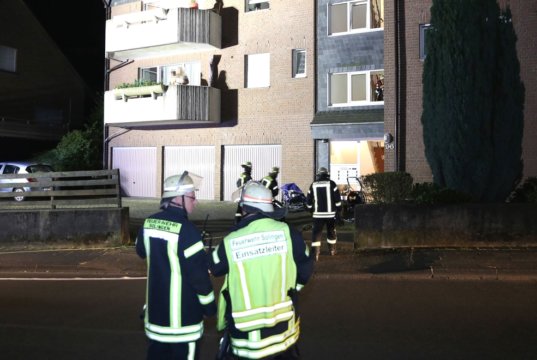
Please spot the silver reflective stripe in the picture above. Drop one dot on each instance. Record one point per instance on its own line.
(173, 338)
(299, 287)
(160, 234)
(283, 289)
(265, 309)
(244, 286)
(266, 322)
(193, 249)
(206, 299)
(331, 241)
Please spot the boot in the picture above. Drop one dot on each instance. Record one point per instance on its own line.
(317, 252)
(332, 248)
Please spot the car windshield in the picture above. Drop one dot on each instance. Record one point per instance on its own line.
(39, 168)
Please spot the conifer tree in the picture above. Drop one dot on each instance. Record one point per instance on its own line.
(472, 99)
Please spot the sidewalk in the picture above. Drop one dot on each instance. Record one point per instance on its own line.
(504, 263)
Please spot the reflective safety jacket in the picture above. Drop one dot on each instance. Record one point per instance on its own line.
(179, 290)
(243, 179)
(265, 263)
(270, 183)
(323, 198)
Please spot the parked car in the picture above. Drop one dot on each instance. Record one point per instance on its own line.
(22, 168)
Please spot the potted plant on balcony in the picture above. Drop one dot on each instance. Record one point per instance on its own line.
(139, 88)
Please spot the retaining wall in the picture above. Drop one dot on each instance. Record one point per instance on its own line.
(399, 225)
(76, 226)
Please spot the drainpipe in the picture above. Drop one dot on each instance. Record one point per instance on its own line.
(107, 16)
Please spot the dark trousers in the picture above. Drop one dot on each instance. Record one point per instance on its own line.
(317, 232)
(172, 351)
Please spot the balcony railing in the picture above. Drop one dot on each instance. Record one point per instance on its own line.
(162, 32)
(179, 104)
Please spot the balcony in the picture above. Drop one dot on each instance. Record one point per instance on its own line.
(162, 32)
(178, 104)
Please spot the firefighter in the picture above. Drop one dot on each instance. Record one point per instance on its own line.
(245, 176)
(179, 290)
(324, 202)
(270, 181)
(265, 263)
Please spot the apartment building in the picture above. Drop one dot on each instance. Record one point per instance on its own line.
(248, 92)
(405, 27)
(348, 126)
(41, 95)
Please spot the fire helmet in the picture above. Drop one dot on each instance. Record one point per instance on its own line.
(177, 185)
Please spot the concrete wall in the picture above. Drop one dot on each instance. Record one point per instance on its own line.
(76, 226)
(445, 225)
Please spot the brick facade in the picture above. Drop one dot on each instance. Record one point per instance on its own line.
(280, 114)
(416, 12)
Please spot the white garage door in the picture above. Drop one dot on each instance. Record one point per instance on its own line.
(263, 158)
(197, 159)
(138, 170)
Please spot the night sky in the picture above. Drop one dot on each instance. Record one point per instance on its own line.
(77, 27)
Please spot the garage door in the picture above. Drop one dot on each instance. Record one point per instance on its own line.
(197, 159)
(263, 158)
(138, 170)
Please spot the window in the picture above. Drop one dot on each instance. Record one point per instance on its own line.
(424, 28)
(8, 58)
(253, 5)
(356, 88)
(163, 74)
(355, 16)
(299, 63)
(257, 71)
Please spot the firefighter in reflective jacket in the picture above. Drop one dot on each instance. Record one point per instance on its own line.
(270, 181)
(245, 176)
(179, 289)
(324, 202)
(265, 263)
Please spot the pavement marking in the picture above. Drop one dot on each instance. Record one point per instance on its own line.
(74, 279)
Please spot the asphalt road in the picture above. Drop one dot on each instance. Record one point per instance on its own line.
(342, 318)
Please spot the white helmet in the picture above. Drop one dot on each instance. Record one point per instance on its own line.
(253, 197)
(177, 185)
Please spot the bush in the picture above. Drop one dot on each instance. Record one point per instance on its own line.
(388, 187)
(525, 193)
(431, 193)
(137, 83)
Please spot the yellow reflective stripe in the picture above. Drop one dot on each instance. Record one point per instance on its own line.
(191, 350)
(244, 286)
(266, 322)
(160, 234)
(206, 299)
(316, 243)
(265, 309)
(193, 249)
(164, 225)
(216, 258)
(167, 330)
(175, 285)
(172, 338)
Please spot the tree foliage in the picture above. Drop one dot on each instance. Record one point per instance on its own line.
(473, 99)
(79, 149)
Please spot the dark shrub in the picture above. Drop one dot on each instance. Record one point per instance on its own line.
(388, 187)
